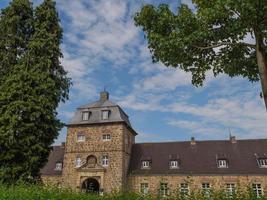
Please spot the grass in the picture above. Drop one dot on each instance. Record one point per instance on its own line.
(36, 192)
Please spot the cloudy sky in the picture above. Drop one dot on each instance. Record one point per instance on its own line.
(103, 48)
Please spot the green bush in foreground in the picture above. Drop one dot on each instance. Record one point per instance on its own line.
(34, 192)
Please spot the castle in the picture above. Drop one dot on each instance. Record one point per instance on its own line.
(100, 155)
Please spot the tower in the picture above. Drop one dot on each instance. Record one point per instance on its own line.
(98, 147)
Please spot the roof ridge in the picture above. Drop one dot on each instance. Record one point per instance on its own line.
(185, 141)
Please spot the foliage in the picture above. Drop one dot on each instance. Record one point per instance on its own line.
(210, 38)
(35, 192)
(32, 83)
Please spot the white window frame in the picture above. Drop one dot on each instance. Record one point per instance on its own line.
(174, 164)
(144, 188)
(105, 161)
(58, 166)
(257, 189)
(78, 161)
(164, 190)
(206, 189)
(80, 137)
(106, 137)
(145, 164)
(230, 189)
(222, 163)
(86, 115)
(105, 114)
(263, 162)
(184, 189)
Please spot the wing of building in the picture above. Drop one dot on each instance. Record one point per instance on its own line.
(100, 155)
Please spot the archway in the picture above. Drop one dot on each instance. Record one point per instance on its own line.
(90, 185)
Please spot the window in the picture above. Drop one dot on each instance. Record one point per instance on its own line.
(222, 163)
(78, 162)
(104, 161)
(173, 164)
(184, 189)
(257, 189)
(106, 137)
(206, 189)
(164, 190)
(86, 115)
(144, 188)
(58, 166)
(145, 164)
(230, 189)
(80, 137)
(263, 162)
(105, 114)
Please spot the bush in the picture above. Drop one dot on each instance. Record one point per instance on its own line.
(38, 192)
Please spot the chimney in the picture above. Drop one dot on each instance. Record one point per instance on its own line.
(104, 96)
(232, 139)
(193, 141)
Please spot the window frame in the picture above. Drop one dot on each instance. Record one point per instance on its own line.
(206, 190)
(59, 168)
(105, 160)
(184, 189)
(78, 164)
(222, 163)
(105, 138)
(88, 115)
(145, 164)
(257, 189)
(176, 166)
(144, 188)
(102, 114)
(164, 190)
(81, 135)
(230, 189)
(262, 162)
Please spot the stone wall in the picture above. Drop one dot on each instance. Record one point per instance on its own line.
(195, 182)
(112, 177)
(52, 180)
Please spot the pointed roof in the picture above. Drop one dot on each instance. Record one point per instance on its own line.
(116, 114)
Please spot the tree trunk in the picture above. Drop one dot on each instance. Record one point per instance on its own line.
(262, 65)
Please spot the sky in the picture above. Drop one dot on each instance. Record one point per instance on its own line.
(103, 48)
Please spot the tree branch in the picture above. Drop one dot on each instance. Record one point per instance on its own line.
(225, 44)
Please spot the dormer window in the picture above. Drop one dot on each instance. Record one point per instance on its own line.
(105, 114)
(174, 164)
(145, 164)
(263, 162)
(86, 115)
(58, 166)
(222, 163)
(80, 137)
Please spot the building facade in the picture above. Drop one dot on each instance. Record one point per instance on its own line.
(100, 155)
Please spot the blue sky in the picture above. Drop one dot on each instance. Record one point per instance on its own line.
(103, 48)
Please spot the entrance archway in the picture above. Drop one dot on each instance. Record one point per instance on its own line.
(90, 185)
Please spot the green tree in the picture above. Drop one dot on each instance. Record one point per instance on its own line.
(212, 37)
(30, 94)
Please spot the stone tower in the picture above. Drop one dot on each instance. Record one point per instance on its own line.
(98, 147)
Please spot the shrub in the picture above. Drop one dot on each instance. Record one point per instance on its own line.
(38, 192)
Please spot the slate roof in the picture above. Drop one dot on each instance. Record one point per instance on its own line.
(200, 158)
(95, 108)
(56, 155)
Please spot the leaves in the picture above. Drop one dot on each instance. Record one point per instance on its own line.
(32, 84)
(210, 38)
